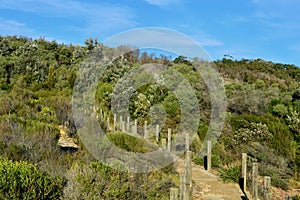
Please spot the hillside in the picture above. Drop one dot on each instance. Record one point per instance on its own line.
(36, 90)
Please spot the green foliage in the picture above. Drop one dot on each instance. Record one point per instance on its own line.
(36, 84)
(99, 181)
(130, 143)
(280, 110)
(230, 173)
(21, 180)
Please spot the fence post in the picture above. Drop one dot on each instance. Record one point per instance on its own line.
(187, 142)
(108, 124)
(184, 194)
(189, 166)
(181, 185)
(244, 172)
(145, 131)
(164, 142)
(173, 193)
(169, 139)
(255, 180)
(157, 132)
(128, 124)
(121, 122)
(267, 188)
(135, 127)
(101, 113)
(188, 175)
(115, 122)
(123, 127)
(209, 156)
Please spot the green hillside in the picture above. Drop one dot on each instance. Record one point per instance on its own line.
(36, 85)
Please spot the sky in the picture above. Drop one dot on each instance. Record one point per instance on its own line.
(250, 29)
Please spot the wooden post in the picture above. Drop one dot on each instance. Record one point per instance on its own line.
(157, 132)
(185, 195)
(135, 127)
(187, 142)
(169, 139)
(104, 116)
(115, 122)
(101, 113)
(209, 156)
(181, 186)
(145, 131)
(123, 127)
(267, 188)
(128, 124)
(121, 122)
(244, 172)
(173, 193)
(189, 166)
(164, 142)
(188, 176)
(255, 180)
(108, 124)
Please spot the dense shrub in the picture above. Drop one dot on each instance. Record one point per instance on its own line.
(21, 180)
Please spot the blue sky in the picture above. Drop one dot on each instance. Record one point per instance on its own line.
(267, 29)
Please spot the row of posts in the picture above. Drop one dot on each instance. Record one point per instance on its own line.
(125, 127)
(254, 177)
(185, 187)
(183, 193)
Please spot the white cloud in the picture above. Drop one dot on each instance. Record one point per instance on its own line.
(207, 40)
(295, 47)
(12, 27)
(159, 38)
(96, 17)
(161, 2)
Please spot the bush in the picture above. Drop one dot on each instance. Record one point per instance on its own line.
(21, 180)
(230, 173)
(99, 181)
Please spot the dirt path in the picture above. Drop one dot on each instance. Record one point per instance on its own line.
(208, 186)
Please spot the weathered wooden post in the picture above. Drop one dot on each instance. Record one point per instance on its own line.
(181, 186)
(145, 130)
(173, 193)
(101, 113)
(267, 188)
(244, 172)
(157, 132)
(189, 166)
(121, 122)
(108, 124)
(255, 180)
(169, 139)
(185, 192)
(123, 127)
(115, 122)
(188, 176)
(187, 142)
(134, 130)
(128, 124)
(164, 143)
(104, 116)
(209, 156)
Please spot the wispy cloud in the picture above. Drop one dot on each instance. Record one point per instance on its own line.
(96, 17)
(295, 47)
(160, 39)
(12, 27)
(162, 2)
(207, 40)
